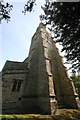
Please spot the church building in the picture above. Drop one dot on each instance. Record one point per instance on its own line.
(33, 85)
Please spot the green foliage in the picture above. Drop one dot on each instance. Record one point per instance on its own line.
(4, 11)
(29, 6)
(64, 20)
(76, 80)
(64, 114)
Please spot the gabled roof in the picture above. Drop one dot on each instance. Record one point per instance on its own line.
(12, 65)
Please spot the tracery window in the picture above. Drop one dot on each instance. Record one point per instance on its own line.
(16, 85)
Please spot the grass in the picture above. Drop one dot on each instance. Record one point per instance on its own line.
(62, 114)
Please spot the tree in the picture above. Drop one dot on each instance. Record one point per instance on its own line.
(64, 21)
(4, 11)
(76, 80)
(29, 6)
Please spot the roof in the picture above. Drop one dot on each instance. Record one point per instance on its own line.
(26, 60)
(12, 65)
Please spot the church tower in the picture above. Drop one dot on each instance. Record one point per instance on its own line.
(47, 79)
(40, 83)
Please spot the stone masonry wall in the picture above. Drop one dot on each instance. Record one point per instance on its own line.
(59, 82)
(49, 81)
(43, 82)
(36, 94)
(11, 99)
(43, 77)
(65, 92)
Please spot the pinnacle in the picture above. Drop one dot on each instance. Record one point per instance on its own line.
(42, 25)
